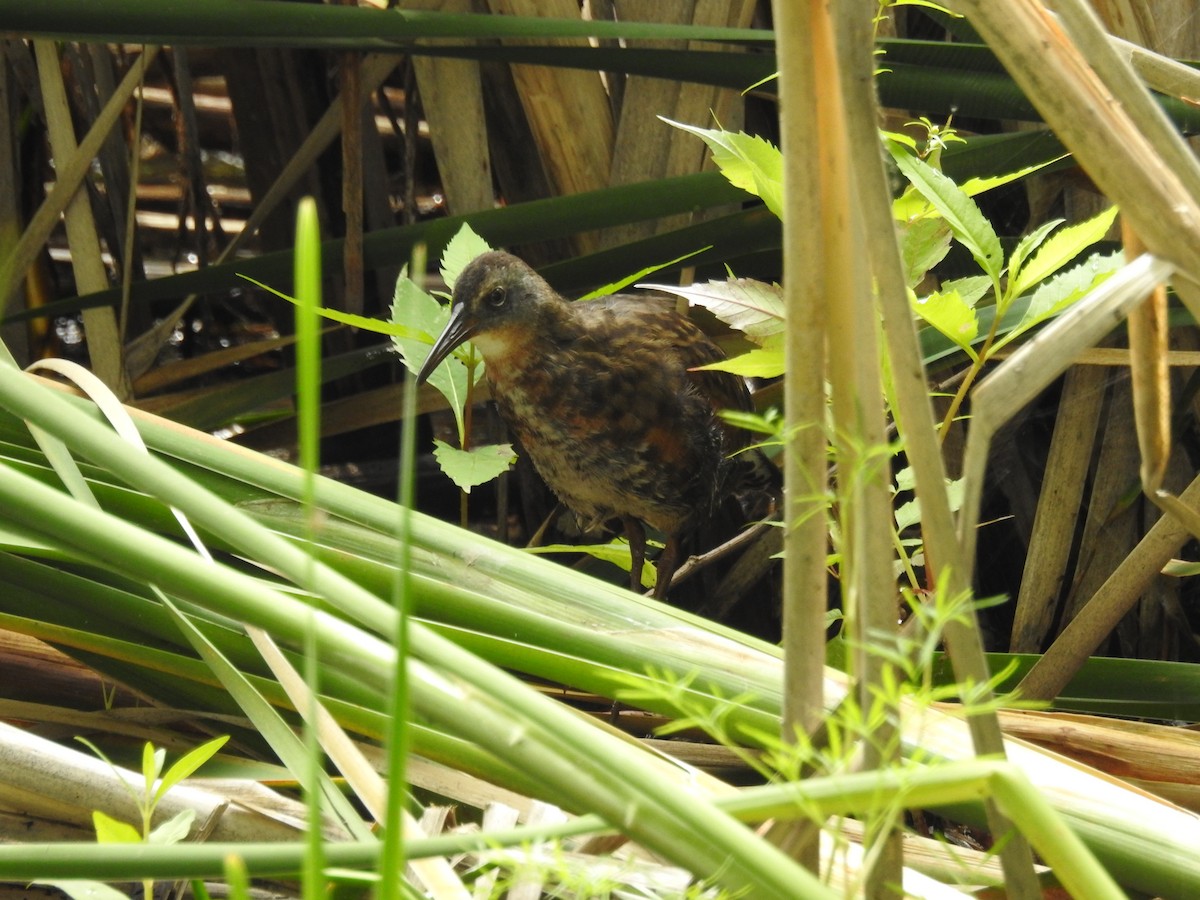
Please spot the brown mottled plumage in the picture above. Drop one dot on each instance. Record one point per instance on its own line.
(600, 396)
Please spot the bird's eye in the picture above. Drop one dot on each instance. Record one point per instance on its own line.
(496, 298)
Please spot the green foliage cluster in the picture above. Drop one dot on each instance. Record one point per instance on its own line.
(156, 784)
(932, 212)
(413, 308)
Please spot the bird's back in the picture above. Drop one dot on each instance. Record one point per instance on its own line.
(603, 402)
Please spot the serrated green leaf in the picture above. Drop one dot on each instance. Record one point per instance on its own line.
(187, 764)
(463, 247)
(961, 213)
(749, 162)
(1025, 247)
(761, 362)
(754, 308)
(424, 315)
(468, 468)
(923, 244)
(1062, 291)
(980, 184)
(426, 318)
(901, 138)
(1065, 288)
(950, 314)
(911, 205)
(908, 514)
(971, 289)
(174, 830)
(114, 831)
(1060, 248)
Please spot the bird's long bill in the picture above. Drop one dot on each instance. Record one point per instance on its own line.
(457, 330)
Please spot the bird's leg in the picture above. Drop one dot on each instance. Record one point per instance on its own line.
(636, 535)
(668, 562)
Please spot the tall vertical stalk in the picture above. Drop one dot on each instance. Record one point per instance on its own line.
(944, 554)
(804, 541)
(841, 49)
(804, 390)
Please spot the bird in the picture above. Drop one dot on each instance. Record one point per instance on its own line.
(604, 397)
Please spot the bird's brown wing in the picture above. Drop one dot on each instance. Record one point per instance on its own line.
(652, 324)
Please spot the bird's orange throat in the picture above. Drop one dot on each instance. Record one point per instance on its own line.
(506, 349)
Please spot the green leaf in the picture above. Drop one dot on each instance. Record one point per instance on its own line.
(1025, 247)
(425, 316)
(615, 552)
(754, 308)
(152, 765)
(174, 830)
(923, 244)
(613, 287)
(910, 513)
(761, 362)
(114, 831)
(928, 5)
(911, 205)
(1181, 568)
(960, 212)
(1060, 249)
(768, 423)
(971, 289)
(1063, 290)
(187, 764)
(463, 247)
(418, 310)
(973, 187)
(901, 138)
(421, 312)
(467, 468)
(378, 326)
(749, 162)
(950, 314)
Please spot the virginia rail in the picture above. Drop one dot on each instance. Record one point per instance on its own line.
(602, 396)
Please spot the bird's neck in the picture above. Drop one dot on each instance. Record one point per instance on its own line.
(501, 345)
(519, 345)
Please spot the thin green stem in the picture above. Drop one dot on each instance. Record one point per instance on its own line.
(977, 363)
(308, 400)
(392, 861)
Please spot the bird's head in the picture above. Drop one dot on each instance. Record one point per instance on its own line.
(498, 301)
